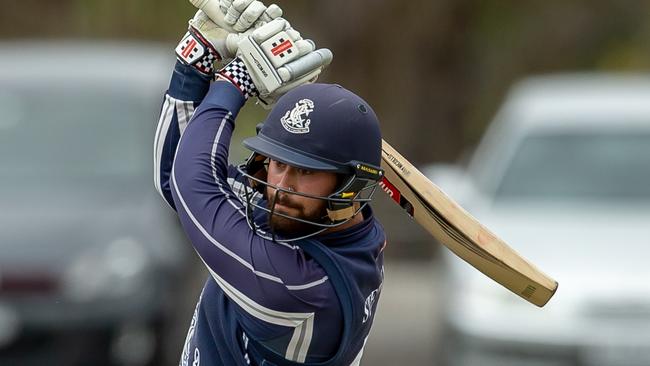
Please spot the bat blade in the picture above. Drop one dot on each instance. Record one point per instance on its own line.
(459, 231)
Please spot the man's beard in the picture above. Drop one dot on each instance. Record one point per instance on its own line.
(291, 228)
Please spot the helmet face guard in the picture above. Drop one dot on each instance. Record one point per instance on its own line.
(356, 189)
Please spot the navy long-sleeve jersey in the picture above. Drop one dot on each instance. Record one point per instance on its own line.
(274, 295)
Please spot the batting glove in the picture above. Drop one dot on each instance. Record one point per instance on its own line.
(211, 39)
(277, 59)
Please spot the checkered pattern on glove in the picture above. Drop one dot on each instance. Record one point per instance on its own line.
(196, 51)
(237, 73)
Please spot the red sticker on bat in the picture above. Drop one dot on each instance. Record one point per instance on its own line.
(396, 195)
(390, 189)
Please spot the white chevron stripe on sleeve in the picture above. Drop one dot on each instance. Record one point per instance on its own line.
(303, 323)
(164, 122)
(185, 113)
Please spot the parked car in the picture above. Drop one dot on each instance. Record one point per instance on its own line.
(563, 175)
(90, 256)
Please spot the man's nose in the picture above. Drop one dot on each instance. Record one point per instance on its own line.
(287, 179)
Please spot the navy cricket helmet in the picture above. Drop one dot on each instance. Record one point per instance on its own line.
(322, 127)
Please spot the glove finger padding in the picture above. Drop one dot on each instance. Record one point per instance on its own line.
(231, 15)
(249, 9)
(249, 16)
(272, 12)
(241, 5)
(268, 101)
(243, 15)
(270, 29)
(305, 46)
(314, 60)
(294, 34)
(224, 5)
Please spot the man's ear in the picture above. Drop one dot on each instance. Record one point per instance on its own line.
(261, 174)
(256, 167)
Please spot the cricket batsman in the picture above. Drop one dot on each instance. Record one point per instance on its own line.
(294, 252)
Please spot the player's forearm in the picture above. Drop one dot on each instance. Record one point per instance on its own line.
(202, 158)
(187, 89)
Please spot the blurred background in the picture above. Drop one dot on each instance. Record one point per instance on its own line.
(534, 115)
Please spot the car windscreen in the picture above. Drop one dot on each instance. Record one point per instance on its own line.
(594, 166)
(75, 131)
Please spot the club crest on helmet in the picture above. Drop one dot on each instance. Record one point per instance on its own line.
(296, 120)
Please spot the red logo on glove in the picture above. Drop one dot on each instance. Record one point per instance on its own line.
(189, 48)
(284, 45)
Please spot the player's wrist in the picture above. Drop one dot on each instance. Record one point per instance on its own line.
(236, 73)
(187, 83)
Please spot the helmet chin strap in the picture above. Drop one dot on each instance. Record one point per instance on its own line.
(341, 214)
(339, 211)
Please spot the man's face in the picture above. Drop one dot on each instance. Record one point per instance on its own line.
(316, 183)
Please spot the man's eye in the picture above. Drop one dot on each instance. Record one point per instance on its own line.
(304, 171)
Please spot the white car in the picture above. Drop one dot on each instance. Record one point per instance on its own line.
(563, 176)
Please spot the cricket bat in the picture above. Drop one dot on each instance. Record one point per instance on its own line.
(459, 231)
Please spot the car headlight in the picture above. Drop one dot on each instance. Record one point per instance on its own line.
(113, 271)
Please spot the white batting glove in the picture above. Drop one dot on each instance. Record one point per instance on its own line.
(213, 39)
(278, 59)
(203, 44)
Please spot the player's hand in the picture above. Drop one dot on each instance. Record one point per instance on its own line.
(242, 15)
(274, 59)
(214, 38)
